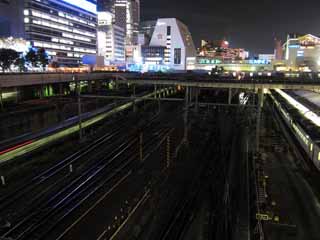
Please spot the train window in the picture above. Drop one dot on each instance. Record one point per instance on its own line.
(319, 156)
(311, 147)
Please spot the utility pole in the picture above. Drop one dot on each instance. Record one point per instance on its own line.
(78, 86)
(141, 147)
(134, 99)
(168, 152)
(185, 135)
(196, 105)
(1, 100)
(260, 106)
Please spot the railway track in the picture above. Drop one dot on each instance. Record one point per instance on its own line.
(37, 188)
(184, 210)
(44, 217)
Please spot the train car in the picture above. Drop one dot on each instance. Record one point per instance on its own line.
(316, 153)
(309, 142)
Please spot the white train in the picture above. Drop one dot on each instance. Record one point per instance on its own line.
(310, 144)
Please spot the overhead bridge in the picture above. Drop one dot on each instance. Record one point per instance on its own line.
(187, 80)
(238, 84)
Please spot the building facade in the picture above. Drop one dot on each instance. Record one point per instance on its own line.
(220, 49)
(65, 28)
(302, 52)
(127, 16)
(110, 39)
(174, 37)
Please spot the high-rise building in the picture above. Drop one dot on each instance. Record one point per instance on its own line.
(65, 28)
(111, 36)
(110, 40)
(127, 16)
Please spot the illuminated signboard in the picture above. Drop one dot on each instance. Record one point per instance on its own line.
(294, 46)
(209, 61)
(259, 61)
(83, 4)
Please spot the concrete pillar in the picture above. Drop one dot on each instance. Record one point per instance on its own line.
(229, 96)
(1, 100)
(17, 95)
(41, 89)
(187, 97)
(89, 86)
(260, 106)
(61, 92)
(97, 85)
(196, 105)
(155, 91)
(185, 119)
(190, 94)
(134, 100)
(78, 91)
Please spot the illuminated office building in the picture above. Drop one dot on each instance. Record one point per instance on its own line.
(127, 16)
(110, 40)
(302, 52)
(65, 28)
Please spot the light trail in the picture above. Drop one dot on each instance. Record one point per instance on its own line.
(29, 146)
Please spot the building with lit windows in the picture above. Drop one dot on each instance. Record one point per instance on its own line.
(174, 38)
(65, 28)
(110, 37)
(302, 52)
(127, 16)
(220, 49)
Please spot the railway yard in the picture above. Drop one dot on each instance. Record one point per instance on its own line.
(163, 171)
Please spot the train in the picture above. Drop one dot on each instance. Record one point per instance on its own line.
(305, 131)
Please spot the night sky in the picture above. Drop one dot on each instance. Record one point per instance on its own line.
(245, 23)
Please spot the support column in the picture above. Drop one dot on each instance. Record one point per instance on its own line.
(17, 95)
(41, 92)
(141, 147)
(61, 92)
(155, 91)
(156, 97)
(78, 86)
(89, 86)
(134, 100)
(97, 85)
(1, 100)
(185, 120)
(260, 106)
(196, 105)
(230, 96)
